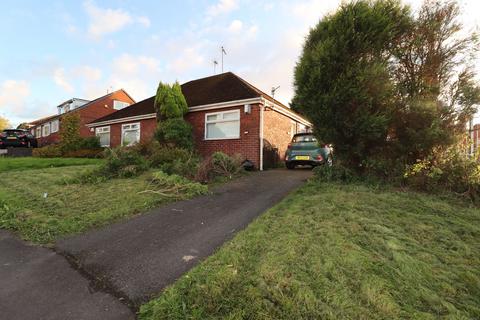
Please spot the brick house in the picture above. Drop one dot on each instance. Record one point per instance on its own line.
(227, 114)
(46, 130)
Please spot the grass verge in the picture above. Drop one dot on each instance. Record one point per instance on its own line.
(10, 164)
(42, 206)
(332, 251)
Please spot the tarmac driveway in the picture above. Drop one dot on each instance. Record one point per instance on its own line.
(136, 259)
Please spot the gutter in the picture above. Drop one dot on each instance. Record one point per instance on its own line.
(120, 120)
(286, 112)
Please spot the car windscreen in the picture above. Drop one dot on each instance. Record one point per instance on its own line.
(14, 132)
(304, 138)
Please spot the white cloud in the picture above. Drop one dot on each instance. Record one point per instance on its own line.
(15, 104)
(235, 26)
(138, 75)
(105, 21)
(60, 80)
(128, 64)
(13, 94)
(188, 59)
(222, 7)
(88, 73)
(144, 21)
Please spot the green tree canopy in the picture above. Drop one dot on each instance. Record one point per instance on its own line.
(342, 81)
(4, 123)
(170, 101)
(379, 82)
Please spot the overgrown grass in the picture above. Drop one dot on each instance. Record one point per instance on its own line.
(41, 205)
(332, 251)
(9, 164)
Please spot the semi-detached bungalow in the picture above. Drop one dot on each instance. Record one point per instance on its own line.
(227, 114)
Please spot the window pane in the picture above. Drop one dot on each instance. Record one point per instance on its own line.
(230, 116)
(212, 117)
(130, 137)
(229, 129)
(104, 139)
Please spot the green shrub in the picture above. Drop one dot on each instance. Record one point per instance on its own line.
(84, 153)
(123, 162)
(336, 172)
(218, 165)
(175, 161)
(70, 132)
(172, 185)
(175, 132)
(88, 143)
(446, 170)
(50, 151)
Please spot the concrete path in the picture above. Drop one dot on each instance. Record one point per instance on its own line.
(137, 258)
(36, 283)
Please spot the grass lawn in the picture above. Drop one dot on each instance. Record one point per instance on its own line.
(9, 164)
(332, 251)
(67, 208)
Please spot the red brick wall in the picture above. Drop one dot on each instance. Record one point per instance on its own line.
(277, 130)
(247, 145)
(147, 129)
(98, 109)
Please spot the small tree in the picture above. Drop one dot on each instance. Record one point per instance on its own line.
(171, 106)
(4, 123)
(170, 101)
(70, 132)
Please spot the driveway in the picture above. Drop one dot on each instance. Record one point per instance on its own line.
(136, 259)
(36, 283)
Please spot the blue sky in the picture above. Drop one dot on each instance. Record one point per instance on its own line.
(54, 50)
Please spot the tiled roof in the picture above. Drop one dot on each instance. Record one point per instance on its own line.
(48, 118)
(224, 87)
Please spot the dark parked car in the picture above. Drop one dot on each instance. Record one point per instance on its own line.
(305, 150)
(17, 138)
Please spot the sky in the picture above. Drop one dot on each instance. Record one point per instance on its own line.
(52, 51)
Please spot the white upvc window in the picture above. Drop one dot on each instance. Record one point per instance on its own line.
(130, 134)
(38, 133)
(222, 125)
(103, 134)
(46, 130)
(54, 126)
(117, 105)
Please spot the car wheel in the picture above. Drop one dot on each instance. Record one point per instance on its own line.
(290, 166)
(330, 161)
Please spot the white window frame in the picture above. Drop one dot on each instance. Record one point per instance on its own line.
(237, 111)
(44, 128)
(125, 104)
(38, 132)
(104, 130)
(54, 126)
(124, 126)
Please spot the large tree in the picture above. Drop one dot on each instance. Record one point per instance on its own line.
(342, 80)
(435, 81)
(381, 83)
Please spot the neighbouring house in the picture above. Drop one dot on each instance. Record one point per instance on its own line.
(227, 114)
(46, 130)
